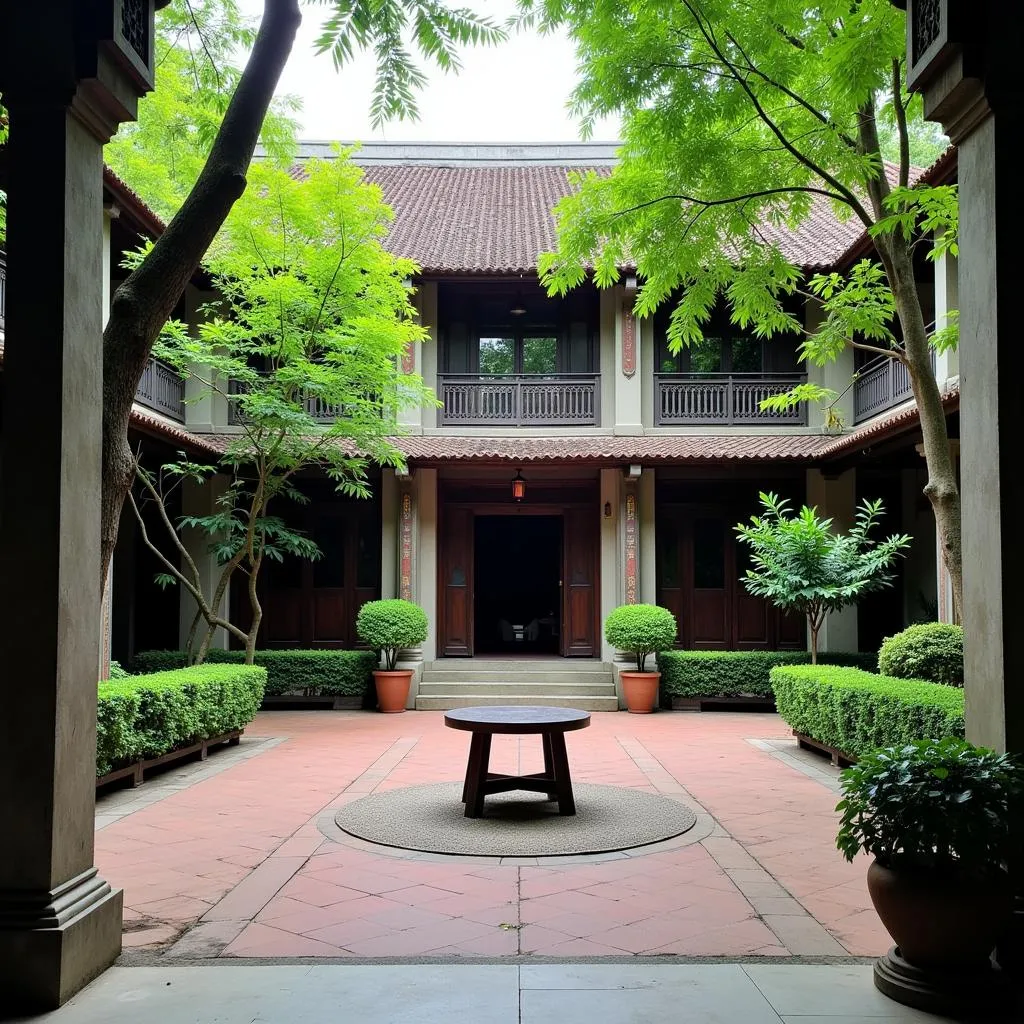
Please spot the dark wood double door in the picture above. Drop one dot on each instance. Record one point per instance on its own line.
(700, 565)
(576, 606)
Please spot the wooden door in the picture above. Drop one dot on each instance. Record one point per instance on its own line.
(707, 551)
(457, 582)
(579, 583)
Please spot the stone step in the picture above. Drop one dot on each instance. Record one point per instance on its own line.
(446, 701)
(459, 666)
(521, 677)
(512, 687)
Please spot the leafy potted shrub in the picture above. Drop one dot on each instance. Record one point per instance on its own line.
(640, 630)
(933, 651)
(387, 627)
(942, 818)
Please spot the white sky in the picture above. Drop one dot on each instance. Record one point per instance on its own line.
(515, 92)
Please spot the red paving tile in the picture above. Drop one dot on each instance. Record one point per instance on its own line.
(243, 847)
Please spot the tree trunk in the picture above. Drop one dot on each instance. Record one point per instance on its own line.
(814, 626)
(141, 306)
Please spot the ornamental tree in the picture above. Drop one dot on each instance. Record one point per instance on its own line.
(738, 120)
(800, 564)
(305, 347)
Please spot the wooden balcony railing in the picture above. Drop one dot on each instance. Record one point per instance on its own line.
(731, 399)
(162, 390)
(317, 408)
(520, 400)
(882, 384)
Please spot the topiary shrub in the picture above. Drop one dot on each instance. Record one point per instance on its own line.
(930, 650)
(388, 626)
(854, 711)
(640, 630)
(117, 672)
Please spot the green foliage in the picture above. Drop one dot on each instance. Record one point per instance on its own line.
(312, 673)
(161, 154)
(738, 673)
(929, 650)
(117, 672)
(146, 716)
(385, 26)
(799, 564)
(738, 121)
(388, 626)
(856, 711)
(934, 804)
(640, 630)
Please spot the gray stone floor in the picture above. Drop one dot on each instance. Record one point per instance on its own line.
(484, 994)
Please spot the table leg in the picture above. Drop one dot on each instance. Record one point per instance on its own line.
(563, 780)
(476, 774)
(549, 769)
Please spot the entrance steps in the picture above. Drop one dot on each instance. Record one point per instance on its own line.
(564, 682)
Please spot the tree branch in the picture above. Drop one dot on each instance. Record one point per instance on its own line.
(731, 199)
(901, 121)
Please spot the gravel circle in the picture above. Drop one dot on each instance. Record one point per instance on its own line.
(432, 819)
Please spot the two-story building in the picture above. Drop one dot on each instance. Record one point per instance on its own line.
(573, 463)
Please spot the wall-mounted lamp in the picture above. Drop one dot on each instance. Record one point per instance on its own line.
(634, 471)
(607, 510)
(518, 487)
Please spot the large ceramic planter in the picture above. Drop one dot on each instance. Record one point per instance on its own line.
(940, 920)
(392, 689)
(640, 690)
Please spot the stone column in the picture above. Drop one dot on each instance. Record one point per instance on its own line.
(201, 500)
(110, 212)
(60, 923)
(835, 497)
(612, 586)
(390, 488)
(947, 298)
(428, 354)
(648, 538)
(627, 370)
(418, 523)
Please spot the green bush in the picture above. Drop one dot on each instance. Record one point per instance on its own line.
(388, 626)
(640, 630)
(930, 650)
(738, 673)
(315, 673)
(149, 715)
(856, 711)
(117, 672)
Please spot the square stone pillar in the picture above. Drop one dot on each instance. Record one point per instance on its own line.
(423, 498)
(390, 489)
(612, 584)
(627, 370)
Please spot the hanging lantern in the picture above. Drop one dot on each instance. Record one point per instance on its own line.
(518, 487)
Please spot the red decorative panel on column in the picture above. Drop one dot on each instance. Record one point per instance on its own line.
(631, 556)
(405, 548)
(628, 338)
(408, 358)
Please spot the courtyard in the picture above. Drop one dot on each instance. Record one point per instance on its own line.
(238, 857)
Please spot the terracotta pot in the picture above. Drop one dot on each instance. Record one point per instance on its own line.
(392, 689)
(640, 690)
(941, 919)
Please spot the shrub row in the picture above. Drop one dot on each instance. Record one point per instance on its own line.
(146, 716)
(314, 673)
(737, 673)
(855, 711)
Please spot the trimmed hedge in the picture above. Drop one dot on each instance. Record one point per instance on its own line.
(146, 716)
(929, 650)
(314, 673)
(737, 673)
(855, 711)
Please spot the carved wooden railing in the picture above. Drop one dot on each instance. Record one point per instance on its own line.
(162, 390)
(732, 399)
(882, 384)
(520, 400)
(317, 408)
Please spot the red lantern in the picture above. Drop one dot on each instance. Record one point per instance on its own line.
(518, 486)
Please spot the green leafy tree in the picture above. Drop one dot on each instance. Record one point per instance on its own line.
(800, 564)
(400, 33)
(307, 352)
(739, 120)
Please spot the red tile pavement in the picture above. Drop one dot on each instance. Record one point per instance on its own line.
(239, 853)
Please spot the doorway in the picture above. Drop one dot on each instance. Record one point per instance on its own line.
(517, 604)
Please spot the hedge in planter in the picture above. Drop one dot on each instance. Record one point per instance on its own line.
(315, 673)
(738, 673)
(930, 650)
(855, 711)
(149, 715)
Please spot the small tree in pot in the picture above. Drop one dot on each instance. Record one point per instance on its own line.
(942, 819)
(388, 627)
(640, 630)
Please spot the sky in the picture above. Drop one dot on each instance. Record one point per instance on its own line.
(514, 92)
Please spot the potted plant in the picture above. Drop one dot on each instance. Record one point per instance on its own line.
(942, 819)
(387, 627)
(640, 630)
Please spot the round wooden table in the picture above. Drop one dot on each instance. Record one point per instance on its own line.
(550, 723)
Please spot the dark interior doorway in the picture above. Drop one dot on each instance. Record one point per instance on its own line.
(517, 602)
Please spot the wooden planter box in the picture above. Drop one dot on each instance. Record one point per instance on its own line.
(723, 703)
(299, 701)
(135, 773)
(838, 758)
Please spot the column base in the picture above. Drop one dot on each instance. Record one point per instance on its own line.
(53, 944)
(969, 991)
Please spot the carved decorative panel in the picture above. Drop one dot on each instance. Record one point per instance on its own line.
(136, 20)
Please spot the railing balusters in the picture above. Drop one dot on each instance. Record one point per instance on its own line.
(730, 399)
(162, 390)
(523, 400)
(881, 385)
